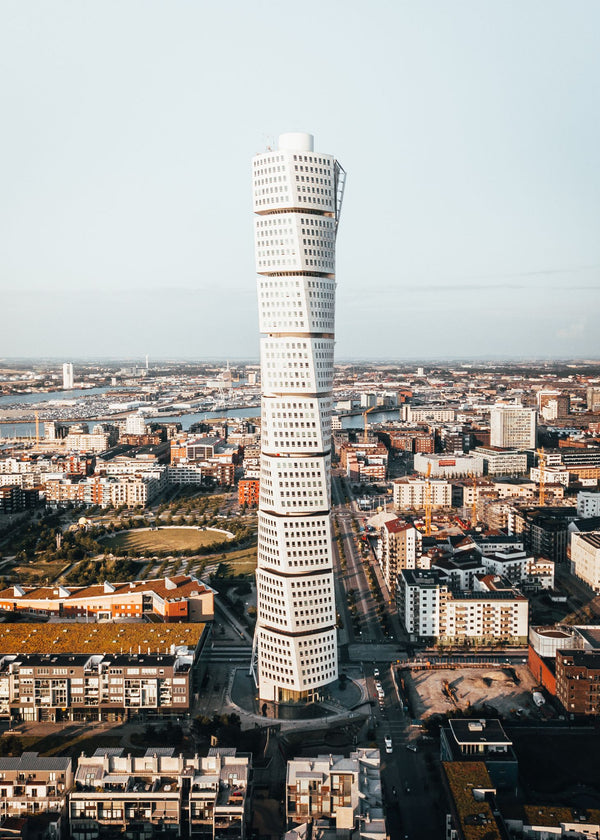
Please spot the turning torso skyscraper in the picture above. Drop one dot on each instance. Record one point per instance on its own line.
(297, 201)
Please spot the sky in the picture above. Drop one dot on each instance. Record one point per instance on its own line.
(469, 130)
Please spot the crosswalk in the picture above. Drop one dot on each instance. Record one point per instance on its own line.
(230, 653)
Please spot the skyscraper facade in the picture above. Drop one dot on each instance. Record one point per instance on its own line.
(68, 375)
(297, 201)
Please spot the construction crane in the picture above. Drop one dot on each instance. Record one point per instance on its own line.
(37, 429)
(366, 432)
(428, 502)
(542, 469)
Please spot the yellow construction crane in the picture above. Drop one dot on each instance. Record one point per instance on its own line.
(366, 432)
(428, 501)
(542, 469)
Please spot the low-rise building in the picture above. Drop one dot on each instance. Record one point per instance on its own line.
(484, 740)
(340, 796)
(444, 466)
(99, 672)
(32, 785)
(154, 795)
(177, 598)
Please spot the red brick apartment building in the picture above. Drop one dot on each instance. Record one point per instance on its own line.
(578, 681)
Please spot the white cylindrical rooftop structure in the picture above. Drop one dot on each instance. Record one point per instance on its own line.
(296, 141)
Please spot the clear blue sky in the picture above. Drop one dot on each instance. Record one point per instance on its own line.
(470, 132)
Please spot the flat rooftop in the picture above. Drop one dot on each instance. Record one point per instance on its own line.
(479, 731)
(98, 638)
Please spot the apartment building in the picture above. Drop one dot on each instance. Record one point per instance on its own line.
(588, 504)
(430, 608)
(340, 796)
(399, 546)
(364, 461)
(60, 671)
(427, 414)
(412, 441)
(184, 474)
(176, 598)
(109, 687)
(14, 498)
(248, 491)
(130, 490)
(578, 681)
(585, 557)
(412, 493)
(35, 787)
(161, 794)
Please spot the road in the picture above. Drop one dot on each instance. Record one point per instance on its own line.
(410, 777)
(354, 578)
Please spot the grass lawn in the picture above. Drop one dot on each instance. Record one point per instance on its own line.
(165, 539)
(241, 562)
(38, 573)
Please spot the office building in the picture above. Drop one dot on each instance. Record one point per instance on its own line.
(512, 427)
(297, 202)
(68, 376)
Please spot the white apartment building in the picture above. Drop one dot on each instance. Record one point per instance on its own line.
(512, 426)
(341, 797)
(588, 504)
(135, 424)
(585, 558)
(429, 608)
(297, 201)
(159, 791)
(552, 475)
(82, 442)
(184, 474)
(448, 466)
(412, 492)
(398, 547)
(427, 414)
(67, 375)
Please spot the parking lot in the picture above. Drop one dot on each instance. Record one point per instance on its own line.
(508, 690)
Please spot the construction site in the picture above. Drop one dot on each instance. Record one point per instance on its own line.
(506, 691)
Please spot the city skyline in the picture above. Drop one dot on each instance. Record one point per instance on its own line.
(470, 227)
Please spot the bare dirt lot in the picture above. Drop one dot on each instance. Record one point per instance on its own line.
(505, 689)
